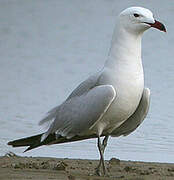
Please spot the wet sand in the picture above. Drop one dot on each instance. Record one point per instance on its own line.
(40, 168)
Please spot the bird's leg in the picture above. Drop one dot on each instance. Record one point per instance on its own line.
(105, 140)
(101, 148)
(101, 155)
(104, 144)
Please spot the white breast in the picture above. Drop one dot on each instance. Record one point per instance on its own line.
(129, 87)
(123, 70)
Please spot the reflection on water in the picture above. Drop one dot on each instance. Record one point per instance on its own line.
(45, 54)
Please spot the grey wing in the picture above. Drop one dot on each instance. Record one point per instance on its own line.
(137, 117)
(85, 86)
(76, 115)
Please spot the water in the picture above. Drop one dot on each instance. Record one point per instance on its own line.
(48, 47)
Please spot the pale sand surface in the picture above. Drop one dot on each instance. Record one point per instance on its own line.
(14, 167)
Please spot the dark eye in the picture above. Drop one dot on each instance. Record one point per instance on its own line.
(136, 15)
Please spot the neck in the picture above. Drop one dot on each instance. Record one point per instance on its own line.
(125, 48)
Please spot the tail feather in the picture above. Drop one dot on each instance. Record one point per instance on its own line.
(25, 141)
(35, 141)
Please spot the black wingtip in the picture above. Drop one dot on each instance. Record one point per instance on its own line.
(10, 143)
(27, 149)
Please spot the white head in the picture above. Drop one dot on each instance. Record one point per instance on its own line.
(138, 19)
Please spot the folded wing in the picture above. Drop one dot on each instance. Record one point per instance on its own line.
(76, 115)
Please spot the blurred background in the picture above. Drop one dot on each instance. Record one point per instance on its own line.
(48, 47)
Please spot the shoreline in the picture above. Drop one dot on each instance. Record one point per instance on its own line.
(38, 168)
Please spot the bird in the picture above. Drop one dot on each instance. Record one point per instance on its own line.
(111, 102)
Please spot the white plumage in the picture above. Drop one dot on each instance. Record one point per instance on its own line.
(111, 102)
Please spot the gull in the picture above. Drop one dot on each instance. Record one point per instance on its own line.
(113, 101)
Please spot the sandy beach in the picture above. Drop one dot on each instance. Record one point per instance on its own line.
(39, 168)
